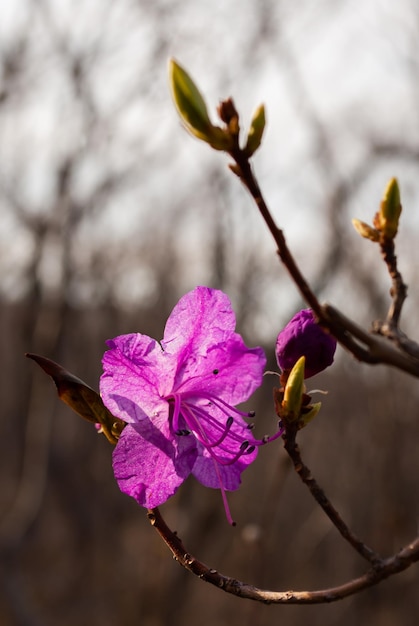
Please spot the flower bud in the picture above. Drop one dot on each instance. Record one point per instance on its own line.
(302, 336)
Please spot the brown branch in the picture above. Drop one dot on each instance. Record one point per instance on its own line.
(398, 289)
(318, 494)
(398, 292)
(382, 569)
(245, 173)
(365, 347)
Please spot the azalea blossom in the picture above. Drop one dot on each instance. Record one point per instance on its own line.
(302, 336)
(179, 399)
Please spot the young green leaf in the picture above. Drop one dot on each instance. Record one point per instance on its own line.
(257, 126)
(193, 110)
(365, 230)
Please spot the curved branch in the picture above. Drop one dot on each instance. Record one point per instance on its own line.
(318, 494)
(382, 569)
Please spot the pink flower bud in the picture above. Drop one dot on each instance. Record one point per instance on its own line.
(302, 336)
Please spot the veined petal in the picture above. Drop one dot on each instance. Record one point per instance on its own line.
(229, 370)
(150, 464)
(229, 476)
(211, 473)
(134, 378)
(201, 319)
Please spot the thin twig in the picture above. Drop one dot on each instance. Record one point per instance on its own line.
(245, 173)
(365, 347)
(398, 292)
(319, 495)
(398, 289)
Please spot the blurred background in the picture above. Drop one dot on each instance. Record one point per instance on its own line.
(110, 212)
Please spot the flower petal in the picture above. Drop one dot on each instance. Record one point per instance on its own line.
(201, 319)
(149, 464)
(135, 377)
(230, 371)
(210, 474)
(229, 476)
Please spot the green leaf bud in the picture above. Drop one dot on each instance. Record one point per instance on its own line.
(294, 389)
(312, 410)
(257, 127)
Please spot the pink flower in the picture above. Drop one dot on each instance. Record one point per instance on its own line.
(178, 398)
(303, 337)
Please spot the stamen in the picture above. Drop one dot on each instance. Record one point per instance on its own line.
(199, 432)
(198, 419)
(244, 449)
(190, 415)
(269, 438)
(229, 424)
(213, 421)
(218, 402)
(190, 418)
(176, 412)
(224, 495)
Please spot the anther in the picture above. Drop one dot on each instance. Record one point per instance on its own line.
(251, 414)
(183, 432)
(215, 371)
